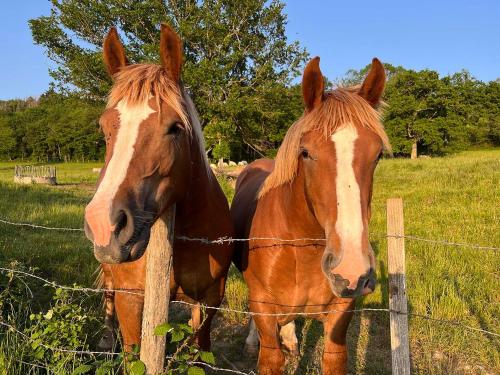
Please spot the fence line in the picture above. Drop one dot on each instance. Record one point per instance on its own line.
(35, 226)
(250, 313)
(95, 353)
(222, 240)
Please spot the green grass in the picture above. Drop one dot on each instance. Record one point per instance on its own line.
(455, 198)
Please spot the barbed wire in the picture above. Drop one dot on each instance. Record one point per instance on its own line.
(48, 347)
(252, 313)
(222, 240)
(95, 353)
(220, 369)
(35, 226)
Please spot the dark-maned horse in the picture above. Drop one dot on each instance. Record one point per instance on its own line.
(319, 189)
(155, 157)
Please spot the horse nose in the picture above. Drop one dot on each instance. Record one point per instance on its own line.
(103, 226)
(349, 289)
(123, 223)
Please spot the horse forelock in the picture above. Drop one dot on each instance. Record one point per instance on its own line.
(341, 108)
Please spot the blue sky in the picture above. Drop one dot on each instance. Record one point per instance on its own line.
(443, 35)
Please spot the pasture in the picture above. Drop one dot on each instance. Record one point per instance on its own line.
(456, 198)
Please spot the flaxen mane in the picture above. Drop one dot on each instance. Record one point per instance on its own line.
(137, 83)
(341, 107)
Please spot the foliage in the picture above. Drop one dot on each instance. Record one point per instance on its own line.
(57, 128)
(239, 69)
(186, 354)
(63, 325)
(440, 115)
(237, 58)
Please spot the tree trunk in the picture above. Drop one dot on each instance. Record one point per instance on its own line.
(414, 150)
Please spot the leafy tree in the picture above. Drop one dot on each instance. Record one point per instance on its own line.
(237, 58)
(436, 115)
(58, 128)
(7, 138)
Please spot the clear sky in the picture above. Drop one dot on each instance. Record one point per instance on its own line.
(444, 35)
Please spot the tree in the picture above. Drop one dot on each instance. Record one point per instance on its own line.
(433, 115)
(7, 138)
(236, 58)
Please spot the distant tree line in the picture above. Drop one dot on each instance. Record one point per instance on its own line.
(423, 112)
(52, 128)
(240, 70)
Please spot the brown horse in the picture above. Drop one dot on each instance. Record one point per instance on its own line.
(155, 157)
(319, 190)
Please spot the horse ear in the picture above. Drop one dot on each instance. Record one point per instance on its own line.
(312, 84)
(171, 51)
(374, 83)
(113, 52)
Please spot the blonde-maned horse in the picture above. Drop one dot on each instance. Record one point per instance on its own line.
(319, 187)
(155, 157)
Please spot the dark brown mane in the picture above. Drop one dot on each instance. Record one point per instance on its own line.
(340, 107)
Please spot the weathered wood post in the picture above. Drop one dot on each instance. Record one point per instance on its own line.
(157, 292)
(400, 348)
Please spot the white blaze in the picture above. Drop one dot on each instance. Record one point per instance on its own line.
(349, 224)
(131, 118)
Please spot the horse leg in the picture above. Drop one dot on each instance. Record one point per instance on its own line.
(108, 339)
(335, 330)
(252, 340)
(201, 323)
(129, 311)
(271, 358)
(287, 335)
(289, 338)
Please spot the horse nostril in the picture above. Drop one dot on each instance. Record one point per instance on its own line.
(124, 226)
(366, 284)
(121, 221)
(328, 262)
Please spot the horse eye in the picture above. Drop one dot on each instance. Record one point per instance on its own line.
(304, 153)
(174, 129)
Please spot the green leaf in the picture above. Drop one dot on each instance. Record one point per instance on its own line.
(177, 336)
(49, 314)
(162, 329)
(207, 357)
(195, 370)
(82, 369)
(138, 368)
(185, 328)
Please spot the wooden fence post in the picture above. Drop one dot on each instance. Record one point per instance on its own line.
(400, 348)
(157, 292)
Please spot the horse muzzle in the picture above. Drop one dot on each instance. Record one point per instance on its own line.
(341, 285)
(125, 240)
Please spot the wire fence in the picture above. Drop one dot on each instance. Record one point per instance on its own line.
(222, 240)
(244, 312)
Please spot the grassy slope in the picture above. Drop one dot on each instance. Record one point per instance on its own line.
(454, 198)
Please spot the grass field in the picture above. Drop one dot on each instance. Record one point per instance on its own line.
(455, 198)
